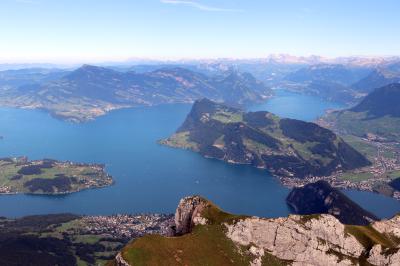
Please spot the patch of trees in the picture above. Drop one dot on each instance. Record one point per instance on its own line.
(47, 163)
(305, 131)
(257, 119)
(59, 184)
(7, 160)
(39, 222)
(395, 183)
(86, 252)
(16, 177)
(30, 170)
(31, 250)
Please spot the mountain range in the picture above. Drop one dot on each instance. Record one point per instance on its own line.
(377, 114)
(328, 81)
(90, 91)
(383, 75)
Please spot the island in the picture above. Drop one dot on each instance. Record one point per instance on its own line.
(47, 176)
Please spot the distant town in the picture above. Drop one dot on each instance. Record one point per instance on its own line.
(375, 178)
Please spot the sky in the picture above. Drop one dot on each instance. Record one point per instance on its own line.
(78, 31)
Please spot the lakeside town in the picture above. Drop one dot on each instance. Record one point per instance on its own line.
(374, 178)
(127, 226)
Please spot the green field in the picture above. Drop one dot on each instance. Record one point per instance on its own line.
(356, 177)
(359, 124)
(368, 150)
(228, 117)
(189, 249)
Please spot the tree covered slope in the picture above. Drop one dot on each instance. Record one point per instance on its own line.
(286, 147)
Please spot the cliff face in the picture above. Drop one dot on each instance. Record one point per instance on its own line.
(316, 241)
(218, 238)
(286, 147)
(188, 214)
(320, 197)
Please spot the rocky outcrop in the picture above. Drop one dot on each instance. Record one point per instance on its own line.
(119, 260)
(389, 227)
(320, 240)
(188, 214)
(320, 197)
(312, 242)
(301, 240)
(377, 256)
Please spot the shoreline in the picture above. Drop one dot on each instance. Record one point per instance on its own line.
(291, 182)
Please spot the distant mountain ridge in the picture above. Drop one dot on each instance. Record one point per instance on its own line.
(328, 72)
(174, 84)
(383, 75)
(90, 91)
(329, 81)
(286, 147)
(382, 101)
(378, 114)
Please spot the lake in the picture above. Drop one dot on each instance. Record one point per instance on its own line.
(150, 177)
(293, 105)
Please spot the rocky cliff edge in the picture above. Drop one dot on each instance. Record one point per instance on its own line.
(207, 235)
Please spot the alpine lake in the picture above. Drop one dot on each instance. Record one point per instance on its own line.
(151, 178)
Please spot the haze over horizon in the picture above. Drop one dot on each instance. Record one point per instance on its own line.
(100, 31)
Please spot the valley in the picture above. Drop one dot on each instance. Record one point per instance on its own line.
(372, 127)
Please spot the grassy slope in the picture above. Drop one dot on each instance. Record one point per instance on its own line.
(358, 123)
(368, 150)
(182, 139)
(206, 245)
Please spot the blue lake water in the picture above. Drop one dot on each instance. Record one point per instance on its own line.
(149, 177)
(293, 105)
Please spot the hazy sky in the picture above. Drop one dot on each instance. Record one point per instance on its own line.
(99, 30)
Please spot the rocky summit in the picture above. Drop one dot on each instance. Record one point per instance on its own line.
(286, 147)
(214, 237)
